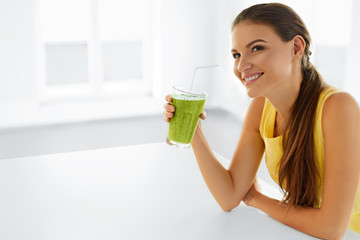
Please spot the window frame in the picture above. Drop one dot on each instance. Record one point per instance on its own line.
(97, 87)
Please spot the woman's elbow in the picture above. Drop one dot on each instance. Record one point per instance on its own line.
(229, 206)
(333, 229)
(226, 208)
(335, 233)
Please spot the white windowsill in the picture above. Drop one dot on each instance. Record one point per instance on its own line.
(24, 114)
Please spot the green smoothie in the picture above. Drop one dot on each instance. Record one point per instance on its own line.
(187, 111)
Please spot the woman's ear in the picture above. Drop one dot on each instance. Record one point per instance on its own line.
(299, 46)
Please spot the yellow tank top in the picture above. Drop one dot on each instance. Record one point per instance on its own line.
(274, 151)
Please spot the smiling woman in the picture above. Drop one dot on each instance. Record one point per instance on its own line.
(308, 130)
(284, 48)
(296, 159)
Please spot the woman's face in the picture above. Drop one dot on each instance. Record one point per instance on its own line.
(262, 61)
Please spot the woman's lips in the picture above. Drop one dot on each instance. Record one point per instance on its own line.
(251, 77)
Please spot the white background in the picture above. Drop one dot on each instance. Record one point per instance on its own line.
(185, 34)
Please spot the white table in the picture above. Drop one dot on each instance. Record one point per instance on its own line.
(150, 191)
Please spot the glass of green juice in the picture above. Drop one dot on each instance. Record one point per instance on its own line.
(188, 107)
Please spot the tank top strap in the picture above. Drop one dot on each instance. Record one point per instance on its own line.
(267, 122)
(326, 93)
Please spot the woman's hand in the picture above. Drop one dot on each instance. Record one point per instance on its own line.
(253, 193)
(170, 109)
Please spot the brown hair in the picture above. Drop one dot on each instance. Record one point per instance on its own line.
(298, 174)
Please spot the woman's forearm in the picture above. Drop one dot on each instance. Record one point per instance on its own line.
(217, 178)
(308, 220)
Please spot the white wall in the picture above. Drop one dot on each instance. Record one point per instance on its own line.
(188, 40)
(190, 34)
(196, 33)
(229, 92)
(352, 83)
(17, 52)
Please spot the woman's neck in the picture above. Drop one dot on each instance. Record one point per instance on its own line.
(284, 96)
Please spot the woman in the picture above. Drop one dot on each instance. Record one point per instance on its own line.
(309, 131)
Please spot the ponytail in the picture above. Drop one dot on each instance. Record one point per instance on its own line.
(298, 173)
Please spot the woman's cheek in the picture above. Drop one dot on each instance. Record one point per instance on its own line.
(236, 72)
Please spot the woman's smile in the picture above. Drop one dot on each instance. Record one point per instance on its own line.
(251, 77)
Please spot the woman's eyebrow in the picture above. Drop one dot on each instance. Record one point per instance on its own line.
(251, 43)
(255, 41)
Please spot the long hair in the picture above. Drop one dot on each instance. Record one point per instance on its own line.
(298, 174)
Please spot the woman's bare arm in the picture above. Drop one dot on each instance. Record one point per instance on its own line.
(341, 131)
(229, 186)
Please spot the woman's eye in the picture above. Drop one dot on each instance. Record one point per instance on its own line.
(236, 55)
(257, 48)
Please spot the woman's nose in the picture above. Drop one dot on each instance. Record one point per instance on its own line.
(243, 65)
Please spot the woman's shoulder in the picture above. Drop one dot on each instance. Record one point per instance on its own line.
(256, 106)
(254, 113)
(340, 110)
(258, 102)
(341, 102)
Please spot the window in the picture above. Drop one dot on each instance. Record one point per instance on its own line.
(66, 63)
(94, 48)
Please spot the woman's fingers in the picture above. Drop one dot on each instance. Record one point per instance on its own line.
(203, 115)
(168, 114)
(168, 108)
(168, 98)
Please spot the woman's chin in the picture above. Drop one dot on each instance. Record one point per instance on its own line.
(251, 94)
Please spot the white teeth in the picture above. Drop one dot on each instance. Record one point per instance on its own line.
(251, 78)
